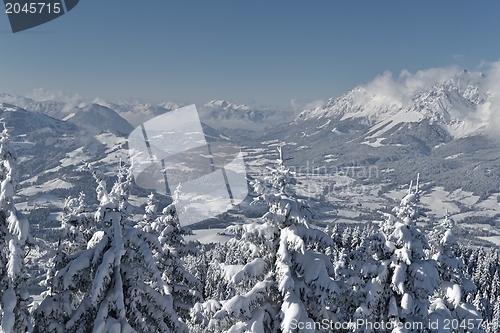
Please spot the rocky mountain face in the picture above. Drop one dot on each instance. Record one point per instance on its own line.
(457, 106)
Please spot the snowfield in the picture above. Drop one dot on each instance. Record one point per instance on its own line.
(45, 187)
(206, 236)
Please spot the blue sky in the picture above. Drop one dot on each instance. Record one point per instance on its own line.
(262, 53)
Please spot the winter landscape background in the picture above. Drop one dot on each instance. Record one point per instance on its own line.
(316, 239)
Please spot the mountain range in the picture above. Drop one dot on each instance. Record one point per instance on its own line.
(442, 131)
(454, 105)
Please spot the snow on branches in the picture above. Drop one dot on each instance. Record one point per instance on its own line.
(282, 276)
(114, 285)
(14, 232)
(449, 301)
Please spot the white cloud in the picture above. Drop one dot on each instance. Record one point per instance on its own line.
(315, 104)
(43, 95)
(406, 85)
(299, 105)
(400, 90)
(387, 89)
(483, 64)
(492, 108)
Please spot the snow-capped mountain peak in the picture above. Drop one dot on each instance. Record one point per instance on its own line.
(458, 104)
(357, 103)
(138, 112)
(224, 110)
(170, 105)
(15, 100)
(225, 105)
(217, 104)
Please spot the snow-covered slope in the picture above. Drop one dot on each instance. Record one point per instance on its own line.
(97, 118)
(137, 113)
(101, 114)
(21, 121)
(357, 103)
(54, 109)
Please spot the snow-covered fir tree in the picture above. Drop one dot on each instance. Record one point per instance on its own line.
(78, 224)
(78, 227)
(495, 321)
(151, 209)
(184, 287)
(366, 273)
(114, 285)
(281, 277)
(14, 239)
(281, 177)
(216, 286)
(396, 280)
(482, 276)
(450, 300)
(351, 260)
(483, 268)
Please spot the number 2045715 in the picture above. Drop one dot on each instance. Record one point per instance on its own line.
(33, 8)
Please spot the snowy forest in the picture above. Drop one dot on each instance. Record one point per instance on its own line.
(109, 273)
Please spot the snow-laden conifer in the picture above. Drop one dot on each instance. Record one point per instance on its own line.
(449, 302)
(184, 287)
(151, 209)
(396, 279)
(281, 278)
(78, 224)
(14, 237)
(114, 285)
